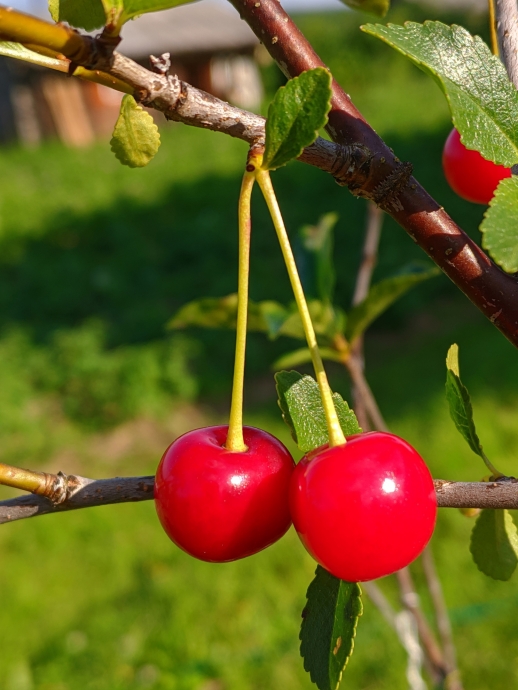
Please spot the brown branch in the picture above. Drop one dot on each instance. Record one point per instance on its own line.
(386, 179)
(89, 493)
(506, 16)
(362, 160)
(82, 493)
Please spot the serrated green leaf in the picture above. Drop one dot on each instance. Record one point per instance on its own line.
(303, 356)
(328, 628)
(381, 296)
(302, 410)
(295, 115)
(494, 544)
(82, 14)
(316, 264)
(500, 237)
(20, 52)
(457, 395)
(482, 100)
(376, 7)
(135, 138)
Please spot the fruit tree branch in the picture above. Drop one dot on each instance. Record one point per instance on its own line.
(388, 182)
(89, 493)
(362, 161)
(506, 16)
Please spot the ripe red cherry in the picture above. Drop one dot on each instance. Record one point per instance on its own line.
(219, 505)
(469, 174)
(365, 509)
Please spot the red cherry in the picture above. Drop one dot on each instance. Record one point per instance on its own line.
(365, 509)
(469, 174)
(219, 505)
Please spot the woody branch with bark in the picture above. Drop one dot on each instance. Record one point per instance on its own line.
(358, 159)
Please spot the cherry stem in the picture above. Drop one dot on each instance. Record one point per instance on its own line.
(235, 440)
(336, 435)
(492, 28)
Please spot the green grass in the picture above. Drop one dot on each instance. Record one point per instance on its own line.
(94, 259)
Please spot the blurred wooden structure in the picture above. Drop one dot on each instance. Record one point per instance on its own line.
(210, 47)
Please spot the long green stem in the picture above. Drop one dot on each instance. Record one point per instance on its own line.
(235, 441)
(336, 435)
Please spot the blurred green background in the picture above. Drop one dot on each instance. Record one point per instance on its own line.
(94, 259)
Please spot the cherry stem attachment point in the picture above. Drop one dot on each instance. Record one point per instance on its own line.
(336, 435)
(235, 441)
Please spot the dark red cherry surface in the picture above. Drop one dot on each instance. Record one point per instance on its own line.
(469, 174)
(365, 509)
(219, 505)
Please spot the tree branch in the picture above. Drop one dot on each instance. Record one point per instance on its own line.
(387, 181)
(506, 19)
(90, 493)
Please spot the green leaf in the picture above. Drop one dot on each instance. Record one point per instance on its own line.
(295, 115)
(135, 138)
(376, 7)
(301, 407)
(328, 628)
(82, 14)
(327, 321)
(457, 395)
(316, 263)
(221, 312)
(494, 544)
(499, 225)
(381, 296)
(133, 8)
(482, 100)
(303, 356)
(20, 52)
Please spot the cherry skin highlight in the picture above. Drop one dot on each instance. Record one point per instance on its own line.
(219, 505)
(470, 175)
(364, 509)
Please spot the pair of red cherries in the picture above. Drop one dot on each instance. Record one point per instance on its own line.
(363, 510)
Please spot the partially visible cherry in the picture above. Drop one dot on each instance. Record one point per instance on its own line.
(469, 174)
(219, 505)
(364, 509)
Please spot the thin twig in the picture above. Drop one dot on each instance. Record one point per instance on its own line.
(453, 680)
(369, 253)
(506, 15)
(355, 359)
(410, 600)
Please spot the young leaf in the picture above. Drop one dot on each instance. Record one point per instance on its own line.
(121, 11)
(457, 395)
(494, 544)
(328, 628)
(381, 296)
(500, 223)
(376, 7)
(303, 356)
(327, 321)
(295, 115)
(135, 138)
(82, 14)
(20, 52)
(482, 100)
(301, 407)
(316, 261)
(221, 312)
